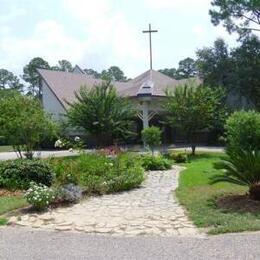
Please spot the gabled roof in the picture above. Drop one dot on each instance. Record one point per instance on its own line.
(64, 84)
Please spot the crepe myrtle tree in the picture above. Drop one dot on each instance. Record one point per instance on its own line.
(192, 109)
(23, 123)
(101, 112)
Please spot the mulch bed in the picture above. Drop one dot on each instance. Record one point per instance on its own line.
(4, 192)
(239, 203)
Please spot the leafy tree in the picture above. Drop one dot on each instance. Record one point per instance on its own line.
(9, 81)
(93, 73)
(246, 63)
(31, 75)
(152, 137)
(236, 70)
(215, 65)
(242, 16)
(172, 73)
(102, 113)
(192, 109)
(187, 69)
(23, 123)
(114, 73)
(64, 65)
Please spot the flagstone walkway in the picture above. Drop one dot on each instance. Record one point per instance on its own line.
(149, 210)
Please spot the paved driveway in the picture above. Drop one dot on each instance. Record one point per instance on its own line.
(22, 243)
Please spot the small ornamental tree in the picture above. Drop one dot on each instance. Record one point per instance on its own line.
(152, 137)
(101, 112)
(23, 123)
(193, 109)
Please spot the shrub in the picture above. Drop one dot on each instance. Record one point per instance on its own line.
(69, 193)
(18, 174)
(154, 163)
(39, 196)
(243, 131)
(177, 157)
(152, 137)
(100, 174)
(241, 168)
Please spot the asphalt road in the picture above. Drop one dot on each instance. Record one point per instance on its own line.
(22, 243)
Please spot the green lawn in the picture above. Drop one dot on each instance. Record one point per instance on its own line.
(5, 148)
(233, 213)
(8, 203)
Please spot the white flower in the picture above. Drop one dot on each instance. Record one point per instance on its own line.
(58, 144)
(76, 139)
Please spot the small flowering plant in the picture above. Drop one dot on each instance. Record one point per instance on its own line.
(39, 196)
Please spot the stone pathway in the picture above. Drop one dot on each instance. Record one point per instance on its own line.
(149, 210)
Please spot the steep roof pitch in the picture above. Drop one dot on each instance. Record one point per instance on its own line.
(64, 84)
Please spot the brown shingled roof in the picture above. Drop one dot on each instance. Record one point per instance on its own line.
(64, 84)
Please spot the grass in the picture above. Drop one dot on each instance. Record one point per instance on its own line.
(5, 148)
(9, 203)
(202, 200)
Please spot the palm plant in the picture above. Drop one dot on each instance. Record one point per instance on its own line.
(242, 167)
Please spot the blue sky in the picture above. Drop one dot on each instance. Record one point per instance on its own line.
(100, 33)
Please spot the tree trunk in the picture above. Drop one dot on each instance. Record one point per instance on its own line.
(193, 147)
(254, 191)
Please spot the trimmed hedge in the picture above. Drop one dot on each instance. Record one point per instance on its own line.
(17, 174)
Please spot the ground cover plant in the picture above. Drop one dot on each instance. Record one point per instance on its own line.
(221, 207)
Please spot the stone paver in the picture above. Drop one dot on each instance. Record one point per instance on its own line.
(149, 210)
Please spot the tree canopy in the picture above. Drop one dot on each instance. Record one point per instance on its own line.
(193, 109)
(23, 123)
(237, 69)
(242, 16)
(8, 81)
(31, 75)
(187, 69)
(102, 113)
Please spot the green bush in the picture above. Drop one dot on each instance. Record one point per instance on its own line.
(39, 196)
(154, 163)
(18, 174)
(243, 131)
(152, 136)
(99, 174)
(177, 157)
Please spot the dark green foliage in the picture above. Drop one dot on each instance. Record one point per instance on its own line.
(18, 174)
(187, 69)
(102, 113)
(152, 137)
(8, 81)
(31, 75)
(155, 163)
(243, 131)
(193, 109)
(242, 16)
(242, 167)
(236, 70)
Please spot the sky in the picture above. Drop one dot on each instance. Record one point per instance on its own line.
(100, 33)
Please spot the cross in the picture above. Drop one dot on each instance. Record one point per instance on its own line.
(150, 31)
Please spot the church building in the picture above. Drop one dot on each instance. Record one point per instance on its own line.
(146, 91)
